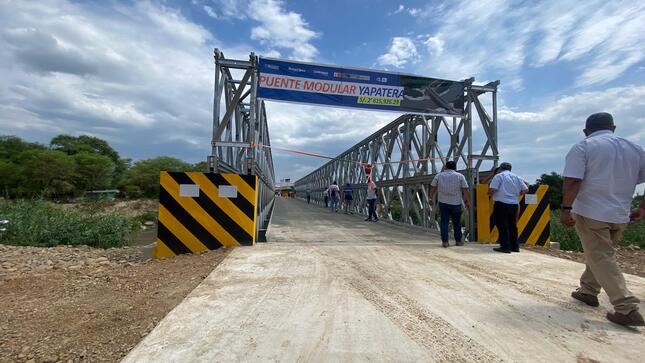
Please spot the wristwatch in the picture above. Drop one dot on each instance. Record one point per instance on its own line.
(566, 208)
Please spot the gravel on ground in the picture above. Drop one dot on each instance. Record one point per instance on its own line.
(80, 304)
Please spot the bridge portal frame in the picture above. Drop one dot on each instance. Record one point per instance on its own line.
(239, 124)
(407, 153)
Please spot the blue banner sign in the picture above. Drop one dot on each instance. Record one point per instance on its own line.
(357, 88)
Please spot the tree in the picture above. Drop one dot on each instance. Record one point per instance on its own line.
(47, 172)
(554, 181)
(142, 179)
(93, 171)
(72, 145)
(12, 146)
(200, 166)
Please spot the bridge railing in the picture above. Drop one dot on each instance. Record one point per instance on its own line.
(239, 125)
(407, 153)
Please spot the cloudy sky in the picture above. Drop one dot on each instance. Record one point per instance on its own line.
(139, 74)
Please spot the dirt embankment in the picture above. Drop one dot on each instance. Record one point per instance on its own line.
(88, 305)
(631, 259)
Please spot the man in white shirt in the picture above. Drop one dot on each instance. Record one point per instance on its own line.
(600, 176)
(371, 201)
(450, 186)
(505, 189)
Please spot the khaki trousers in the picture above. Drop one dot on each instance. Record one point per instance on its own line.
(602, 270)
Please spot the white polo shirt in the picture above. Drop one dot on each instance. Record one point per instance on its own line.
(508, 187)
(610, 168)
(449, 184)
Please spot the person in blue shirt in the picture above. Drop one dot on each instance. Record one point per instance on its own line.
(348, 196)
(505, 189)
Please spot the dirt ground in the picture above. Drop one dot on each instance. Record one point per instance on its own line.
(631, 259)
(66, 304)
(126, 208)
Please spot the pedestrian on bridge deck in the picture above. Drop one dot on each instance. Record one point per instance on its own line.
(348, 196)
(371, 201)
(505, 189)
(326, 197)
(600, 176)
(334, 196)
(308, 196)
(450, 185)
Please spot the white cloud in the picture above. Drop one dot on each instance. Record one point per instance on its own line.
(73, 68)
(398, 10)
(537, 141)
(402, 50)
(434, 45)
(498, 39)
(209, 10)
(282, 29)
(415, 11)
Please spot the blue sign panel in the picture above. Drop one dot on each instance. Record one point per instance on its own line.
(344, 87)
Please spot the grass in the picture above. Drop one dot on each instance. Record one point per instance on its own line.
(34, 223)
(569, 241)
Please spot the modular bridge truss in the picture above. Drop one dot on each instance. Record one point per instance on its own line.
(407, 153)
(239, 124)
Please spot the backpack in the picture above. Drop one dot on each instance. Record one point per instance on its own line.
(332, 192)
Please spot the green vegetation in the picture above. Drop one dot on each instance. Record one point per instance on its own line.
(72, 165)
(569, 241)
(142, 180)
(35, 223)
(554, 181)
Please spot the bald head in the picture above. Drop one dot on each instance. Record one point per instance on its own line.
(599, 121)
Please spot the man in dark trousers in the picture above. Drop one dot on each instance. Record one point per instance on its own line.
(452, 190)
(600, 176)
(505, 189)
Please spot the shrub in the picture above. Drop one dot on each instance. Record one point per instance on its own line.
(569, 241)
(34, 223)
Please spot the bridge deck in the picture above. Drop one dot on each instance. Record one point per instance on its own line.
(330, 287)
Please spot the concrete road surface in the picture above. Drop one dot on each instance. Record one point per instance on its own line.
(331, 287)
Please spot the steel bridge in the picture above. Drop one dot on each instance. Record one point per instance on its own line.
(405, 154)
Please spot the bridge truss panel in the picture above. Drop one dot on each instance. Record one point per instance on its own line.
(407, 153)
(239, 125)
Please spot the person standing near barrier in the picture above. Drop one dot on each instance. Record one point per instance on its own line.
(371, 202)
(334, 196)
(348, 195)
(600, 177)
(505, 189)
(308, 196)
(450, 186)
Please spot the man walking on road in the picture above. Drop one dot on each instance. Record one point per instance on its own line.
(348, 196)
(505, 189)
(450, 186)
(371, 202)
(600, 177)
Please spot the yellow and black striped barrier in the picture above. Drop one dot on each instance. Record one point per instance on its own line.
(533, 226)
(205, 211)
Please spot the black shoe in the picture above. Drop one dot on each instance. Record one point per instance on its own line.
(502, 250)
(632, 319)
(515, 250)
(444, 244)
(459, 243)
(367, 219)
(588, 299)
(376, 220)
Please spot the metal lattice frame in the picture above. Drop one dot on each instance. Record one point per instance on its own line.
(240, 123)
(407, 153)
